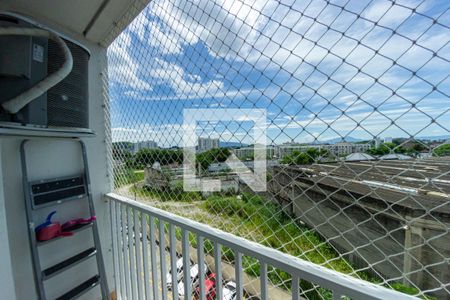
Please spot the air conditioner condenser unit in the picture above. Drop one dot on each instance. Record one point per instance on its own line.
(37, 88)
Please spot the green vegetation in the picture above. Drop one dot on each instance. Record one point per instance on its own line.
(252, 217)
(174, 193)
(411, 148)
(205, 159)
(139, 175)
(280, 231)
(131, 170)
(122, 151)
(408, 290)
(442, 150)
(304, 158)
(127, 176)
(386, 148)
(147, 157)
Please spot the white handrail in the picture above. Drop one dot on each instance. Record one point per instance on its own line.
(339, 283)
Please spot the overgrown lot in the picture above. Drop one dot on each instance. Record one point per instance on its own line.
(257, 219)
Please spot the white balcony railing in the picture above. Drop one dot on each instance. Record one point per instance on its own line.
(141, 264)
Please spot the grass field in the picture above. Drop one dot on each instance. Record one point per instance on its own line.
(127, 176)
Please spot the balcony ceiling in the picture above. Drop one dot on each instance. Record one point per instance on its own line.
(100, 21)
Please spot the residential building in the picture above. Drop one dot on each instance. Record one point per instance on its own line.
(377, 142)
(205, 144)
(345, 148)
(287, 149)
(248, 152)
(144, 145)
(338, 149)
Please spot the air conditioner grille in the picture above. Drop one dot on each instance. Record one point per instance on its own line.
(68, 101)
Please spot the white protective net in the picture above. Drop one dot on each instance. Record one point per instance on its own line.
(357, 98)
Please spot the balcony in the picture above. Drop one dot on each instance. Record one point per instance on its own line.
(237, 149)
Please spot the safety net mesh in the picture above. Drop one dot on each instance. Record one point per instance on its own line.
(356, 102)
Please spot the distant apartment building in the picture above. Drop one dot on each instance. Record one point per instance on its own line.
(143, 145)
(338, 149)
(247, 152)
(244, 152)
(345, 148)
(361, 147)
(205, 144)
(287, 149)
(377, 142)
(341, 148)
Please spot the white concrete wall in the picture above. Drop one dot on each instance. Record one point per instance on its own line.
(7, 283)
(51, 158)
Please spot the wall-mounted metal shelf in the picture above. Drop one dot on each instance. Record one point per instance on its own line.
(46, 192)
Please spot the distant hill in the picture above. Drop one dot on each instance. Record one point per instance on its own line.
(231, 145)
(434, 138)
(337, 140)
(356, 140)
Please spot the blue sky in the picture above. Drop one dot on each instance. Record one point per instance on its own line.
(299, 60)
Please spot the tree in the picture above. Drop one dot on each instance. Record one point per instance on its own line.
(147, 157)
(205, 159)
(122, 150)
(386, 148)
(442, 150)
(304, 158)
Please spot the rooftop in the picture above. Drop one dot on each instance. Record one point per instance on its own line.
(413, 186)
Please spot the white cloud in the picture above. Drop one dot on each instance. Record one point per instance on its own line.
(121, 67)
(175, 76)
(224, 25)
(153, 33)
(241, 30)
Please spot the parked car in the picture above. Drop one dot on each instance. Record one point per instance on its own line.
(194, 272)
(210, 288)
(179, 272)
(229, 291)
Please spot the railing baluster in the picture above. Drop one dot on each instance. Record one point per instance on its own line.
(201, 265)
(218, 265)
(126, 257)
(112, 211)
(144, 225)
(162, 252)
(138, 249)
(263, 280)
(238, 275)
(295, 287)
(131, 252)
(120, 245)
(153, 258)
(173, 261)
(186, 264)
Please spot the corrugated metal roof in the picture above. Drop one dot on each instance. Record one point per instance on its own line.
(359, 156)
